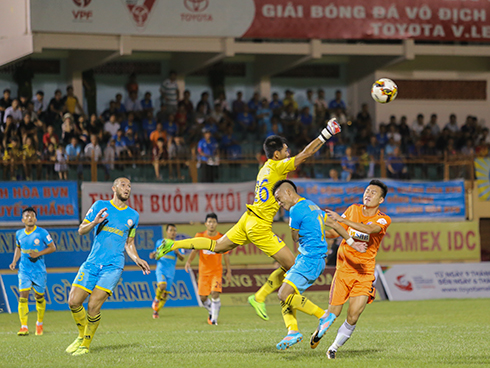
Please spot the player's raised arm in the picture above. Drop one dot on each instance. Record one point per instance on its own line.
(133, 254)
(359, 246)
(368, 229)
(331, 129)
(86, 226)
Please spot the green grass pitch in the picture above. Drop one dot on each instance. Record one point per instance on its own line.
(438, 333)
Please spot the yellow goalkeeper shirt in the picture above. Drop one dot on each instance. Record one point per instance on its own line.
(265, 205)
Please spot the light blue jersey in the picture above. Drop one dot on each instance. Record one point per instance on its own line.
(110, 235)
(166, 266)
(308, 218)
(37, 240)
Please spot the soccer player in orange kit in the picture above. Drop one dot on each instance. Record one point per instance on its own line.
(210, 270)
(354, 276)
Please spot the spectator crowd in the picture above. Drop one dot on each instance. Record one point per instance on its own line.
(47, 138)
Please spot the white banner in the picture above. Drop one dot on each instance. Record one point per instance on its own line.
(144, 17)
(437, 281)
(177, 203)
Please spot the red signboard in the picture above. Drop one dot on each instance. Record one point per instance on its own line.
(374, 19)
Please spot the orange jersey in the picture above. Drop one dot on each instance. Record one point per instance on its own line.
(350, 260)
(209, 262)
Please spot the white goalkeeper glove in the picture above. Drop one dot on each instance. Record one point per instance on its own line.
(332, 128)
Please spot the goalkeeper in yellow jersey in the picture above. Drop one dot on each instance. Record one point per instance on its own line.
(255, 225)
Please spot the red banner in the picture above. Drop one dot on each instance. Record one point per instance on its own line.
(375, 19)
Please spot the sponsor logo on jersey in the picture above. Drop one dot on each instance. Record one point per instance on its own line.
(358, 235)
(382, 221)
(36, 241)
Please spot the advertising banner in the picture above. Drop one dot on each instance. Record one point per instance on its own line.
(425, 242)
(438, 281)
(439, 20)
(72, 249)
(164, 203)
(56, 202)
(482, 171)
(406, 201)
(134, 290)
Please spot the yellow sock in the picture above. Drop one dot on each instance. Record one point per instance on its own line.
(23, 311)
(289, 315)
(80, 318)
(162, 302)
(273, 282)
(195, 243)
(92, 324)
(41, 308)
(158, 293)
(304, 305)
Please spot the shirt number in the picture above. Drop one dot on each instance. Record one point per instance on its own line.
(261, 192)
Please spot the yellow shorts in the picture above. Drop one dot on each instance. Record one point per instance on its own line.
(345, 285)
(251, 229)
(208, 283)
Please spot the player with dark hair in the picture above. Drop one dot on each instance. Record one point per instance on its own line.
(354, 277)
(210, 270)
(114, 225)
(255, 225)
(307, 222)
(165, 271)
(32, 244)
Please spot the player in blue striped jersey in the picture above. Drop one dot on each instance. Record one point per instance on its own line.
(32, 244)
(114, 225)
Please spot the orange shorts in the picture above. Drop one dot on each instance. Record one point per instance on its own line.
(345, 285)
(208, 283)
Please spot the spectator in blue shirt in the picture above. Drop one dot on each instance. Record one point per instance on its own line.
(306, 119)
(74, 152)
(309, 101)
(254, 103)
(146, 103)
(246, 122)
(170, 126)
(337, 102)
(149, 124)
(395, 165)
(349, 165)
(122, 149)
(264, 115)
(276, 104)
(130, 123)
(207, 149)
(120, 107)
(382, 137)
(229, 145)
(275, 128)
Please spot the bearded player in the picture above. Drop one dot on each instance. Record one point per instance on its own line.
(255, 225)
(114, 225)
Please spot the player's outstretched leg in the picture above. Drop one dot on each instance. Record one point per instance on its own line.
(273, 282)
(194, 243)
(215, 307)
(289, 340)
(344, 333)
(323, 325)
(23, 312)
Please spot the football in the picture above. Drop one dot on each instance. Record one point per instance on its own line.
(384, 90)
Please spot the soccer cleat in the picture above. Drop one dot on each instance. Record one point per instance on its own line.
(331, 354)
(82, 350)
(39, 330)
(154, 305)
(164, 248)
(74, 345)
(155, 315)
(323, 325)
(289, 341)
(23, 332)
(259, 308)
